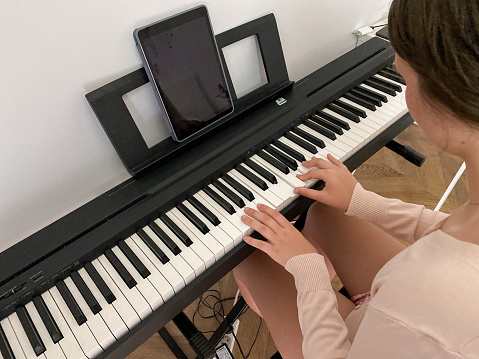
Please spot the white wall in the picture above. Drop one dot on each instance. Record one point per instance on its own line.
(54, 155)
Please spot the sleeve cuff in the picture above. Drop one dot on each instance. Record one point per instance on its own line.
(309, 272)
(368, 205)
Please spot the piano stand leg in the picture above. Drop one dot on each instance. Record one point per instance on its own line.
(407, 152)
(175, 349)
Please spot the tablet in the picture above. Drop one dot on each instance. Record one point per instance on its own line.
(182, 61)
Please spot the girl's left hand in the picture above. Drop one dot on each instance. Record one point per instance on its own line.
(284, 241)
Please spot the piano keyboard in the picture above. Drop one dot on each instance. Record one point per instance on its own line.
(85, 313)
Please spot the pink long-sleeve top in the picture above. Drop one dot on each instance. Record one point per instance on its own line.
(424, 302)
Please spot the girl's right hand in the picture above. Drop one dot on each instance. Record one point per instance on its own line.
(339, 182)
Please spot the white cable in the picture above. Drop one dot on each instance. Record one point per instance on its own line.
(236, 297)
(451, 186)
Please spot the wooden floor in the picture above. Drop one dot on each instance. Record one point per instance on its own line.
(385, 173)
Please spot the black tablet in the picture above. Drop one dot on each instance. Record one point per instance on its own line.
(181, 59)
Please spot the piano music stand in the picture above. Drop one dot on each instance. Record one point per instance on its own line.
(113, 114)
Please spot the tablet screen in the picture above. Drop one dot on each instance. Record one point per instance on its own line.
(183, 61)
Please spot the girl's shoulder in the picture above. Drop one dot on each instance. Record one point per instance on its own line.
(463, 224)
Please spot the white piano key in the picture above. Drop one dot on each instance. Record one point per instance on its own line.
(12, 339)
(69, 344)
(53, 351)
(391, 99)
(82, 333)
(133, 296)
(22, 337)
(166, 269)
(108, 312)
(151, 295)
(188, 254)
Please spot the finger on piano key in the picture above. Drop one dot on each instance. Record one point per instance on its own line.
(156, 278)
(177, 262)
(108, 312)
(69, 344)
(176, 230)
(12, 339)
(120, 268)
(133, 296)
(86, 293)
(233, 197)
(71, 303)
(282, 157)
(188, 254)
(173, 248)
(280, 166)
(82, 333)
(147, 290)
(5, 349)
(132, 257)
(245, 192)
(152, 246)
(30, 331)
(52, 350)
(204, 211)
(166, 269)
(100, 283)
(193, 219)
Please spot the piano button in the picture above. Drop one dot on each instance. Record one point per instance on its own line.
(176, 262)
(71, 303)
(133, 296)
(120, 268)
(289, 178)
(333, 119)
(245, 192)
(94, 322)
(174, 249)
(299, 167)
(341, 111)
(153, 247)
(82, 334)
(386, 74)
(217, 232)
(314, 123)
(350, 108)
(86, 293)
(282, 157)
(5, 349)
(12, 339)
(30, 331)
(146, 289)
(214, 220)
(301, 142)
(298, 156)
(233, 197)
(261, 171)
(366, 97)
(273, 161)
(327, 125)
(137, 263)
(176, 230)
(257, 181)
(69, 344)
(382, 81)
(187, 253)
(303, 134)
(380, 87)
(156, 278)
(371, 92)
(369, 105)
(100, 283)
(47, 319)
(109, 314)
(193, 219)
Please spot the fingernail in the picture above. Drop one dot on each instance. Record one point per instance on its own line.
(296, 191)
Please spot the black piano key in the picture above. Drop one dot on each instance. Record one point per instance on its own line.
(261, 171)
(204, 211)
(337, 121)
(120, 268)
(252, 177)
(233, 197)
(379, 96)
(326, 124)
(290, 151)
(341, 111)
(220, 200)
(71, 303)
(193, 218)
(392, 76)
(282, 157)
(380, 87)
(153, 246)
(350, 108)
(310, 122)
(245, 192)
(366, 97)
(176, 230)
(32, 334)
(139, 266)
(386, 83)
(307, 136)
(47, 319)
(362, 102)
(100, 283)
(273, 162)
(172, 246)
(5, 348)
(86, 293)
(302, 143)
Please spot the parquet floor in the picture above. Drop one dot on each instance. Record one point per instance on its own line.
(385, 173)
